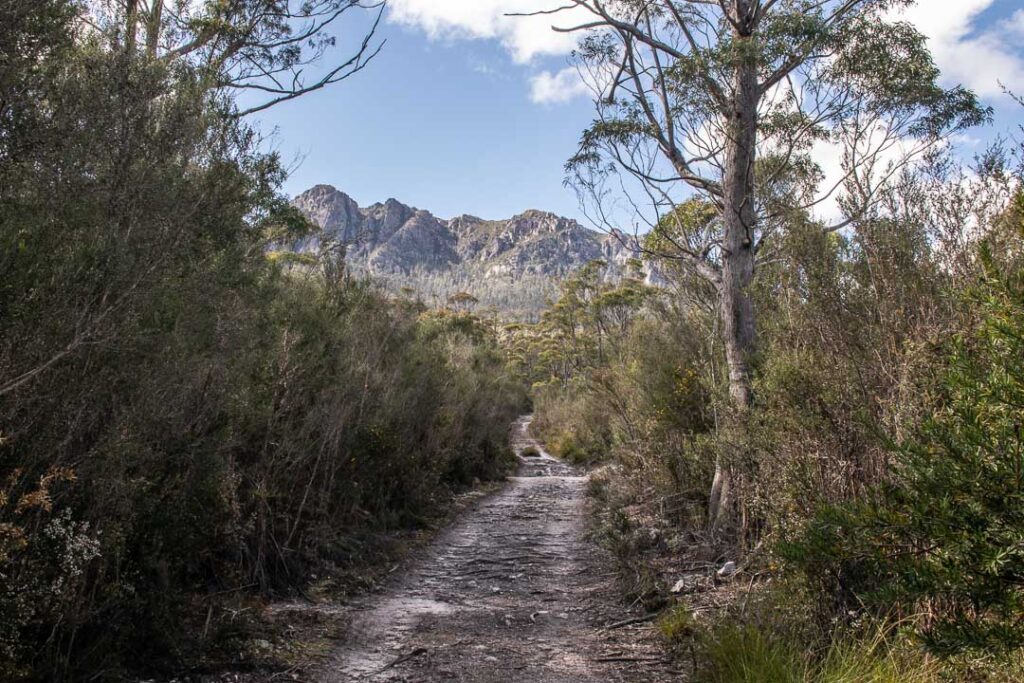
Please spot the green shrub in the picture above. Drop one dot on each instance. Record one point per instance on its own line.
(677, 625)
(946, 536)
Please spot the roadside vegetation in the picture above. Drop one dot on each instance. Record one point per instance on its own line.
(876, 524)
(190, 419)
(807, 436)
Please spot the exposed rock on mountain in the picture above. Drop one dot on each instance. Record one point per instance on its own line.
(511, 265)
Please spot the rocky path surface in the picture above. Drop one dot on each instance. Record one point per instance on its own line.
(511, 592)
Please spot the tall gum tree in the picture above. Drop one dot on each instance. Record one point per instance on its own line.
(730, 100)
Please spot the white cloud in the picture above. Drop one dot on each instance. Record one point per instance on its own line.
(979, 59)
(523, 37)
(1016, 23)
(557, 88)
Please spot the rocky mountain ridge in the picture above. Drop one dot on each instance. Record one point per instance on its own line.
(391, 238)
(512, 265)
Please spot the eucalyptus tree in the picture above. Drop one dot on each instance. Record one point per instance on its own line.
(275, 50)
(729, 100)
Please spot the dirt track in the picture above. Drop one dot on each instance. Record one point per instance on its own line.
(510, 592)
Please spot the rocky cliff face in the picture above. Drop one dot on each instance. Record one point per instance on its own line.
(508, 264)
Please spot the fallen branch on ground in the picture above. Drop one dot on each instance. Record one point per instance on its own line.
(629, 622)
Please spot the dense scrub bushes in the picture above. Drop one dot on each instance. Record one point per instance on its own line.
(622, 379)
(618, 370)
(877, 469)
(943, 534)
(182, 414)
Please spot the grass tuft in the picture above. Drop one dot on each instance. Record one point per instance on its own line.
(746, 654)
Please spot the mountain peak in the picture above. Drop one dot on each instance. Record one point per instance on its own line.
(466, 218)
(321, 188)
(512, 264)
(323, 191)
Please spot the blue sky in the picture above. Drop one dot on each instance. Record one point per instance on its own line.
(445, 125)
(468, 111)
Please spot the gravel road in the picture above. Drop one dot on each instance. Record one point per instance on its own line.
(512, 591)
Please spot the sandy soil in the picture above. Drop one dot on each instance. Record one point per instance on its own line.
(512, 591)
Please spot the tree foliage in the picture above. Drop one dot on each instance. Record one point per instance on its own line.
(727, 101)
(944, 535)
(270, 51)
(185, 417)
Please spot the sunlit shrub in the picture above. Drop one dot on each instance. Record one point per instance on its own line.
(941, 541)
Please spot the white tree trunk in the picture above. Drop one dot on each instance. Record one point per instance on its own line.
(739, 221)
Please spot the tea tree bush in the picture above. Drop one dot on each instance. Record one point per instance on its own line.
(944, 537)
